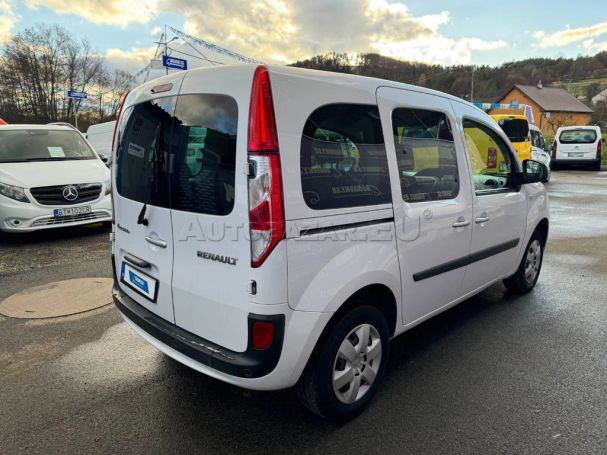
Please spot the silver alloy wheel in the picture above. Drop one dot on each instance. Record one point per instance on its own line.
(357, 363)
(533, 261)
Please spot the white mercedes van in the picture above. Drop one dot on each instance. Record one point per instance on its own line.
(277, 226)
(50, 177)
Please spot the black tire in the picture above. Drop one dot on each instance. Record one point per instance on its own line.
(597, 166)
(520, 283)
(315, 387)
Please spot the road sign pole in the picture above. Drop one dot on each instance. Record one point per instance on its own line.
(166, 53)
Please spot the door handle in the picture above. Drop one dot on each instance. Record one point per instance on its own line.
(136, 261)
(461, 222)
(482, 219)
(156, 242)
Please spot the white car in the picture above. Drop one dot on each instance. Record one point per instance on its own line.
(277, 226)
(100, 137)
(538, 148)
(50, 177)
(582, 145)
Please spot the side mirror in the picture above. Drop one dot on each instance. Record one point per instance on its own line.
(534, 172)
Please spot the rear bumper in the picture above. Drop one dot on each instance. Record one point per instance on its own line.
(252, 363)
(574, 161)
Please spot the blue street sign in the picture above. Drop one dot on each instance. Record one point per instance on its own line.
(174, 62)
(77, 95)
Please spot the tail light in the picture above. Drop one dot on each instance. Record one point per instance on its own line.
(599, 148)
(266, 211)
(120, 106)
(114, 151)
(554, 148)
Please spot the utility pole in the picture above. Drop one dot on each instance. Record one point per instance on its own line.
(472, 85)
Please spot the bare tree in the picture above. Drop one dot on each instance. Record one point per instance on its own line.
(39, 65)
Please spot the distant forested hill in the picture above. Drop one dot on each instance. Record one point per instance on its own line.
(583, 76)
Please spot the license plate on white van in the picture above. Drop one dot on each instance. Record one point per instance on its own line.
(139, 282)
(576, 155)
(71, 211)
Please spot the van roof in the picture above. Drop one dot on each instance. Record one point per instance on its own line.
(369, 84)
(580, 127)
(509, 116)
(108, 125)
(36, 127)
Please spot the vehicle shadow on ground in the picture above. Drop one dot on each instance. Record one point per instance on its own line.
(276, 420)
(62, 234)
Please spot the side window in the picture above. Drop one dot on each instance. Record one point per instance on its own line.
(537, 140)
(489, 158)
(343, 158)
(426, 156)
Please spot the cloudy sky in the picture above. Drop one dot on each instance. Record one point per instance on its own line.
(282, 31)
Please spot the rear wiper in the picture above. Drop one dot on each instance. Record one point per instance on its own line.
(52, 158)
(141, 219)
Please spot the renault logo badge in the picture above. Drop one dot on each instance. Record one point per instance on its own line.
(70, 193)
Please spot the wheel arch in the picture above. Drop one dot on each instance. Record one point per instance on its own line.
(543, 228)
(376, 295)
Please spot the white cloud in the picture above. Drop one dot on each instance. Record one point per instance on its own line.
(437, 49)
(132, 60)
(569, 35)
(593, 47)
(113, 12)
(8, 19)
(156, 31)
(477, 44)
(283, 31)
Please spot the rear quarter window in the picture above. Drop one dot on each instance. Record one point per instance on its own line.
(343, 158)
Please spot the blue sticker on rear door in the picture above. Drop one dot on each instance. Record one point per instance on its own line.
(139, 282)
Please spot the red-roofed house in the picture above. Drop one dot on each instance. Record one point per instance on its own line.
(552, 106)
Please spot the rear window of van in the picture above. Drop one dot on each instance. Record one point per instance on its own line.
(180, 153)
(517, 130)
(579, 136)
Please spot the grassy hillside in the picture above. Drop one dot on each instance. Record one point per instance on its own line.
(490, 82)
(581, 89)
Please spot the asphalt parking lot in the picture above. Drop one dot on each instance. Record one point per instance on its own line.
(497, 374)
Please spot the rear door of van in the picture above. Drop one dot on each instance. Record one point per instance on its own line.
(143, 251)
(209, 206)
(577, 144)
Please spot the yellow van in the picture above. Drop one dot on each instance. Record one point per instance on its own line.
(516, 128)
